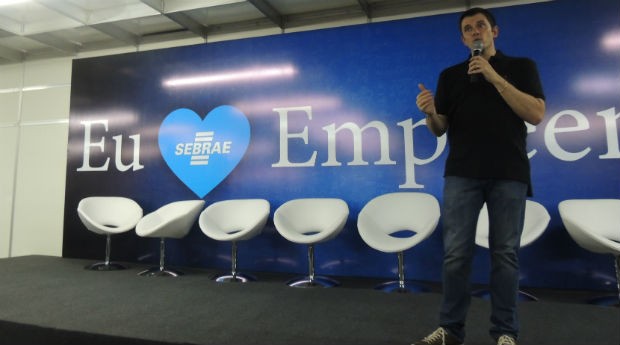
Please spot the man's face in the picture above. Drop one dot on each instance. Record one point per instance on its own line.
(477, 27)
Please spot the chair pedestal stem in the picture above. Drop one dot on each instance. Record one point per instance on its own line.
(610, 300)
(234, 260)
(106, 265)
(234, 276)
(161, 270)
(618, 277)
(401, 270)
(162, 253)
(311, 263)
(108, 244)
(401, 286)
(312, 280)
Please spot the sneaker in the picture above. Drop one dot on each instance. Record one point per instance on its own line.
(506, 340)
(439, 337)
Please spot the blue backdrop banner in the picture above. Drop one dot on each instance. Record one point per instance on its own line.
(331, 113)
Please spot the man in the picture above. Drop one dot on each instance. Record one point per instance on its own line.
(482, 104)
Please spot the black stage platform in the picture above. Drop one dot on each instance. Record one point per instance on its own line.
(50, 300)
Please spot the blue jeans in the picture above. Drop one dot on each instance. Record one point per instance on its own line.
(463, 199)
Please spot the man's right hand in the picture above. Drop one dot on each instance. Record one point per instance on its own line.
(425, 101)
(437, 123)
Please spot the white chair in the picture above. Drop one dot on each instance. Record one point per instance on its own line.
(108, 215)
(395, 222)
(173, 220)
(534, 225)
(234, 220)
(311, 221)
(595, 225)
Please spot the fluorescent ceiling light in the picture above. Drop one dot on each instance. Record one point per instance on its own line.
(232, 76)
(611, 41)
(11, 2)
(598, 85)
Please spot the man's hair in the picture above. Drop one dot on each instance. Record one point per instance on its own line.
(475, 10)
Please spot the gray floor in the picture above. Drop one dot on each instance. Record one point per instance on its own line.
(57, 293)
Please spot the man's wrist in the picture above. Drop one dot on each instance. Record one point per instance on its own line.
(503, 86)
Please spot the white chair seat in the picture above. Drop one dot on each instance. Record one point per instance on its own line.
(109, 214)
(312, 220)
(594, 224)
(173, 220)
(234, 220)
(413, 214)
(534, 225)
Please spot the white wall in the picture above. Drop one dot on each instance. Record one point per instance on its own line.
(34, 123)
(34, 113)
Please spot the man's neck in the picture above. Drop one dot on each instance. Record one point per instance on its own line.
(489, 52)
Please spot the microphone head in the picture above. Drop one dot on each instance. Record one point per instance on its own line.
(476, 50)
(476, 47)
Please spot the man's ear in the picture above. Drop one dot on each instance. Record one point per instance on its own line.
(495, 31)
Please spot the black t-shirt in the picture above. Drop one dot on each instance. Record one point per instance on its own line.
(487, 139)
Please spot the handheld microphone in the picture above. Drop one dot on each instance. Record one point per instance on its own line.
(476, 50)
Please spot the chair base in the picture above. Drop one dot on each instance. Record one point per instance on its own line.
(395, 286)
(306, 282)
(103, 266)
(159, 272)
(522, 295)
(238, 278)
(605, 301)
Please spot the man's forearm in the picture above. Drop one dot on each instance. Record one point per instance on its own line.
(527, 107)
(437, 124)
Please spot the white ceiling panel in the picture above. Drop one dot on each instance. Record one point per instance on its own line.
(234, 13)
(38, 29)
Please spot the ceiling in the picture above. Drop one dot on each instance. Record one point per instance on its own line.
(39, 29)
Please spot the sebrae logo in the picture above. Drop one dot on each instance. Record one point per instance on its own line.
(202, 152)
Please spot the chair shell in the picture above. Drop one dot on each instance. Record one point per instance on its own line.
(593, 223)
(109, 214)
(234, 220)
(534, 225)
(173, 220)
(393, 212)
(311, 220)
